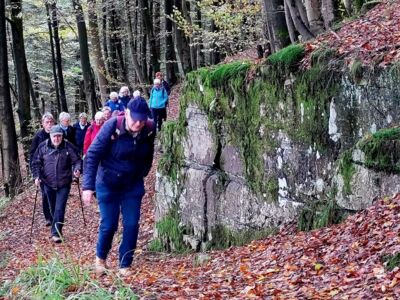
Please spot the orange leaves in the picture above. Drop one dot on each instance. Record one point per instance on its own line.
(373, 38)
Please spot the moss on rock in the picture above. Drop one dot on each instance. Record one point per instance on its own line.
(382, 150)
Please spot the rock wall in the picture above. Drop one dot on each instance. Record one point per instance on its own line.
(287, 155)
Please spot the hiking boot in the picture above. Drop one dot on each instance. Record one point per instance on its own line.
(56, 239)
(124, 272)
(100, 266)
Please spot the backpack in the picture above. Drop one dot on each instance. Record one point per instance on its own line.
(150, 125)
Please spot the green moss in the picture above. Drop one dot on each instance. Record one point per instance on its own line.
(172, 159)
(382, 150)
(170, 234)
(313, 92)
(272, 187)
(223, 238)
(224, 73)
(347, 170)
(287, 57)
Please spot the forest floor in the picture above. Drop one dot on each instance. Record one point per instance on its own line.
(344, 261)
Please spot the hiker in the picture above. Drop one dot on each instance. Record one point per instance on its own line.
(106, 113)
(42, 135)
(124, 95)
(93, 130)
(158, 102)
(54, 160)
(114, 103)
(68, 130)
(164, 83)
(80, 128)
(121, 156)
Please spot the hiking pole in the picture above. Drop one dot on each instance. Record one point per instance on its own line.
(80, 199)
(33, 215)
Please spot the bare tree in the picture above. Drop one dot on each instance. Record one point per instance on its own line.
(10, 160)
(96, 49)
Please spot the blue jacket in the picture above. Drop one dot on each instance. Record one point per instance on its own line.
(117, 105)
(158, 97)
(80, 135)
(54, 166)
(124, 100)
(117, 161)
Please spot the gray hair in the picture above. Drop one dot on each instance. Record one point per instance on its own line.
(113, 95)
(98, 115)
(83, 115)
(123, 89)
(47, 115)
(136, 94)
(105, 108)
(64, 116)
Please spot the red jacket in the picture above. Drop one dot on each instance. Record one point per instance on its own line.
(90, 135)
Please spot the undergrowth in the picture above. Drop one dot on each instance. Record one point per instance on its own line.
(54, 279)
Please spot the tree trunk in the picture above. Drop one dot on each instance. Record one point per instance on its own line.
(289, 23)
(58, 56)
(21, 71)
(277, 30)
(34, 91)
(132, 45)
(148, 27)
(313, 16)
(90, 94)
(53, 59)
(170, 56)
(298, 23)
(328, 12)
(96, 49)
(11, 171)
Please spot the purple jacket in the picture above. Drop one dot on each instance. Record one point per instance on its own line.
(54, 165)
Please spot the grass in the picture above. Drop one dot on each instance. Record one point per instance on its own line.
(391, 261)
(54, 279)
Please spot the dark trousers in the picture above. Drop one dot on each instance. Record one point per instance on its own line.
(45, 204)
(159, 116)
(58, 202)
(111, 203)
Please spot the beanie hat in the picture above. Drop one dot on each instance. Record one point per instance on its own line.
(138, 109)
(56, 130)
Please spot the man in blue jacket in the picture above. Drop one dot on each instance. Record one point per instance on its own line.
(115, 166)
(158, 103)
(54, 160)
(80, 129)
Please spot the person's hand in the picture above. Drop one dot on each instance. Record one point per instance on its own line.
(87, 197)
(37, 181)
(77, 173)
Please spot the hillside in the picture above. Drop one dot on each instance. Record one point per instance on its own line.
(345, 261)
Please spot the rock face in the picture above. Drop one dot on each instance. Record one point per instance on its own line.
(213, 187)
